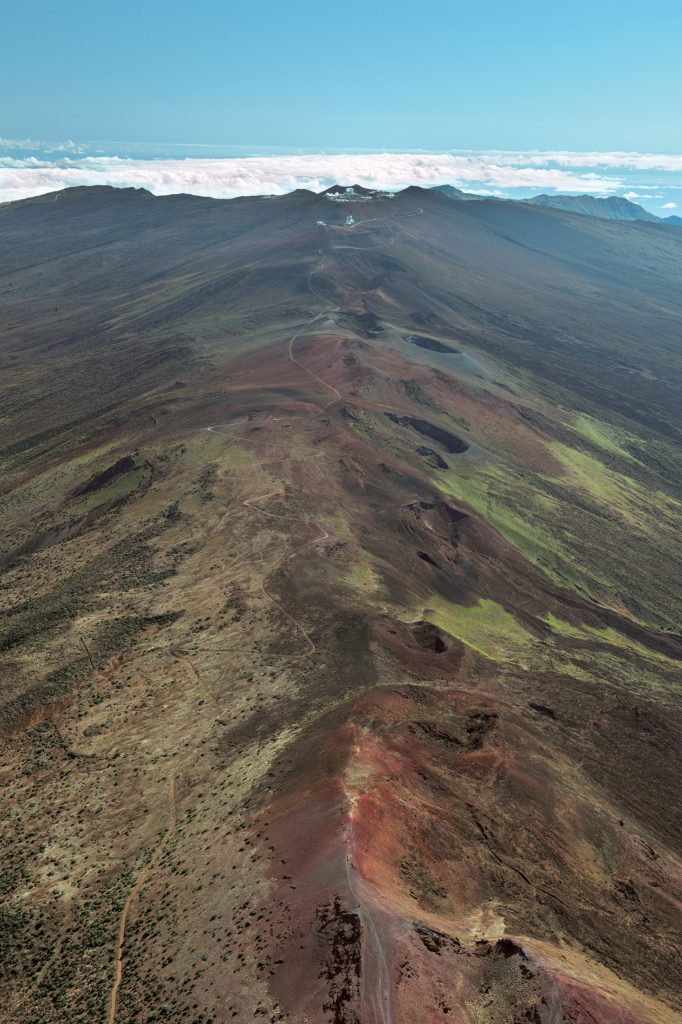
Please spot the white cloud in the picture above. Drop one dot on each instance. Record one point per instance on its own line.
(69, 146)
(24, 161)
(29, 167)
(669, 206)
(253, 175)
(18, 143)
(615, 159)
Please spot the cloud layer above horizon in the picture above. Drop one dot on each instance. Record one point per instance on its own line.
(28, 169)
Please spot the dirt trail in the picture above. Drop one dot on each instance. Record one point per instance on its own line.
(378, 999)
(375, 985)
(292, 357)
(141, 879)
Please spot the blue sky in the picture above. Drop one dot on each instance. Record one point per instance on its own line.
(431, 75)
(233, 98)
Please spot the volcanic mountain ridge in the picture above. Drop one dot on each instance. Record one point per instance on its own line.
(340, 620)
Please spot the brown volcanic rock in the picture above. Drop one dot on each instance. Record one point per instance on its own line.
(331, 729)
(437, 816)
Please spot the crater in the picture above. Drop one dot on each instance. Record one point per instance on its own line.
(429, 637)
(453, 444)
(431, 344)
(542, 709)
(427, 558)
(430, 453)
(367, 325)
(100, 480)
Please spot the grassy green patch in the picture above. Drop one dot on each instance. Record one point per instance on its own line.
(363, 578)
(606, 635)
(615, 491)
(121, 487)
(215, 447)
(603, 435)
(585, 529)
(522, 515)
(610, 490)
(487, 627)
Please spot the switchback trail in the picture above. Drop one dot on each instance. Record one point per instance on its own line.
(381, 1006)
(376, 988)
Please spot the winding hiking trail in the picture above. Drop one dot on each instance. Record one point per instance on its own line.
(292, 357)
(141, 879)
(378, 1000)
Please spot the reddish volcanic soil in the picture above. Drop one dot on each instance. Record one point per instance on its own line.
(427, 862)
(342, 670)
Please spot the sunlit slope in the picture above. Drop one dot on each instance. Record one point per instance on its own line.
(340, 611)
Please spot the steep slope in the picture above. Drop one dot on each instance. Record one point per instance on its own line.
(340, 626)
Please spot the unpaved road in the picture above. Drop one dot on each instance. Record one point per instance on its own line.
(141, 879)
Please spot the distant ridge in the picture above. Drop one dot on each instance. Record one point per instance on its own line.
(606, 208)
(456, 193)
(603, 208)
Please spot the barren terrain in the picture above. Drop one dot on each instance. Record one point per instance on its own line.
(339, 621)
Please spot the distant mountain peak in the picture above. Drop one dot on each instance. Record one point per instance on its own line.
(607, 207)
(456, 193)
(603, 207)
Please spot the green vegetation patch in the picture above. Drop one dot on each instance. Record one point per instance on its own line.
(603, 435)
(363, 578)
(523, 516)
(614, 491)
(215, 447)
(585, 530)
(606, 635)
(123, 487)
(487, 627)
